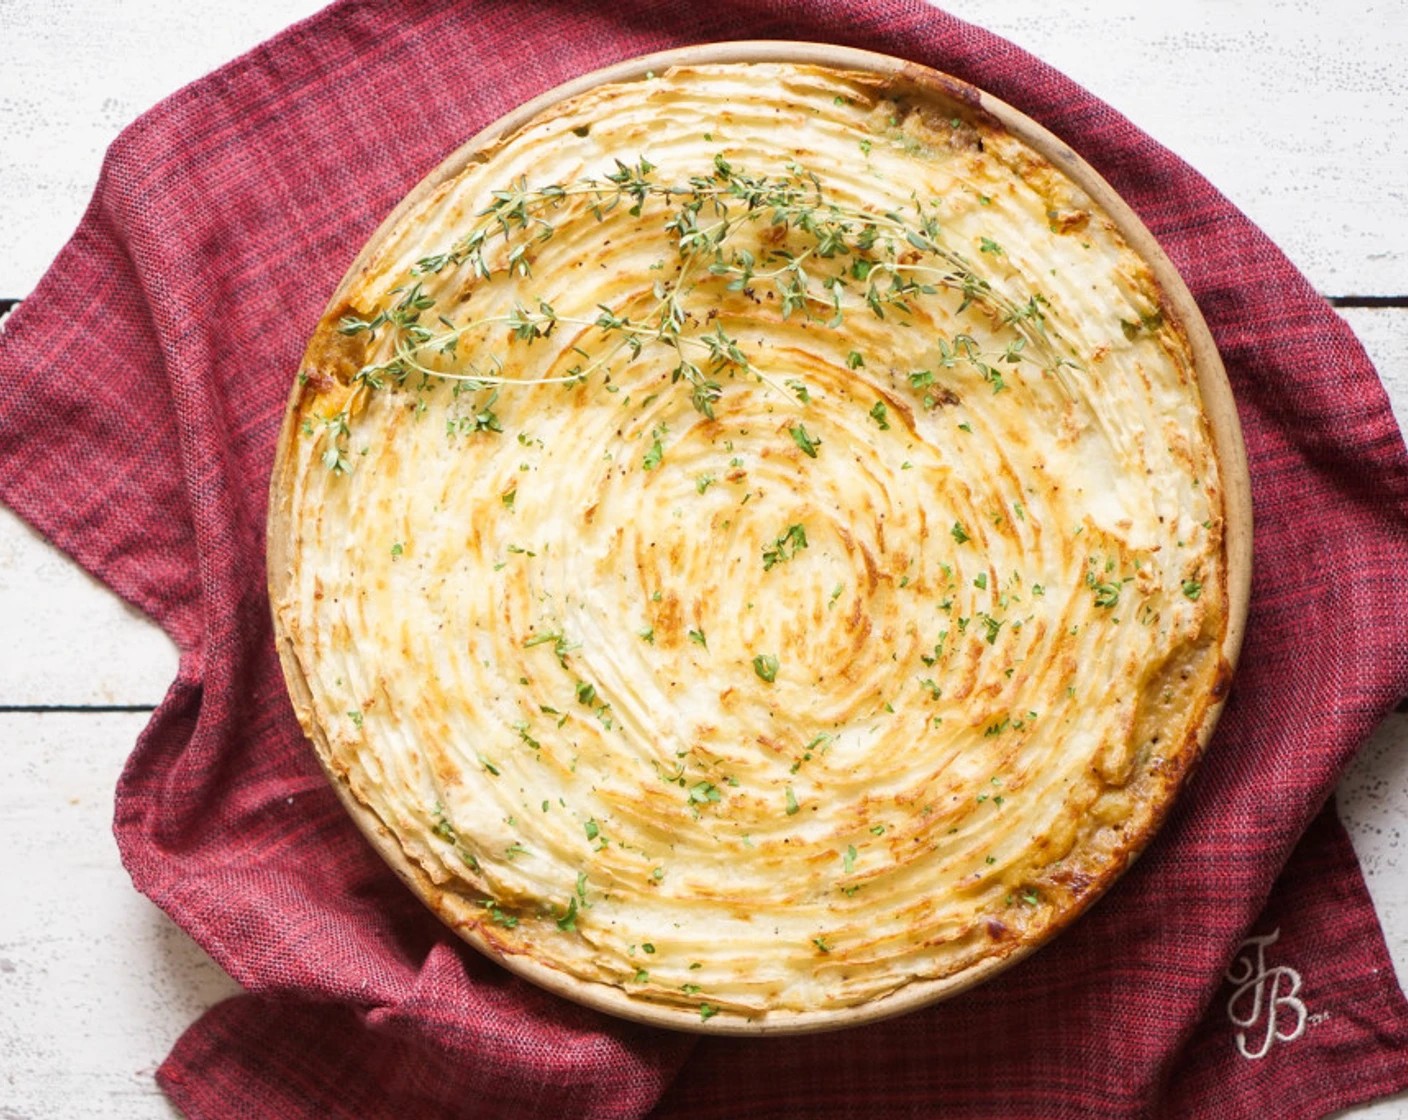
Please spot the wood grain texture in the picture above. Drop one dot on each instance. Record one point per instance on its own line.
(1384, 333)
(1292, 108)
(1371, 801)
(75, 75)
(95, 982)
(82, 645)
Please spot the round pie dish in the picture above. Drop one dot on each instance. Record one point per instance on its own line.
(760, 538)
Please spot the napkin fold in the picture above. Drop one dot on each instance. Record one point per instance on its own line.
(1237, 970)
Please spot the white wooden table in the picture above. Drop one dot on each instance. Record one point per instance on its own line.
(1297, 110)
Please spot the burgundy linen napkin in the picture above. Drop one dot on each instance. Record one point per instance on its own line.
(1237, 971)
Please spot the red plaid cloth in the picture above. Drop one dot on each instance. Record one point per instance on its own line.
(141, 388)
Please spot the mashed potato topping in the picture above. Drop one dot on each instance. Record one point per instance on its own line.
(752, 544)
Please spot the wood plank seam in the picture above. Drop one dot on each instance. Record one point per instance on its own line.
(89, 709)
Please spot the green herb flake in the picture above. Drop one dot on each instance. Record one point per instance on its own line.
(766, 666)
(1107, 595)
(881, 416)
(792, 806)
(848, 861)
(803, 440)
(656, 453)
(702, 793)
(707, 1011)
(855, 360)
(508, 921)
(1192, 588)
(790, 542)
(960, 534)
(568, 922)
(698, 638)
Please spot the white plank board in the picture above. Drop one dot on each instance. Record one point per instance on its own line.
(95, 982)
(82, 645)
(1294, 109)
(85, 647)
(1384, 333)
(74, 75)
(1374, 807)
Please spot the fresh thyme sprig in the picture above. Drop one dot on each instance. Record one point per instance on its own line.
(830, 258)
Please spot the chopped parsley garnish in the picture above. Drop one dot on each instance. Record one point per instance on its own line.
(804, 441)
(656, 452)
(508, 921)
(1107, 595)
(766, 666)
(568, 922)
(703, 792)
(792, 540)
